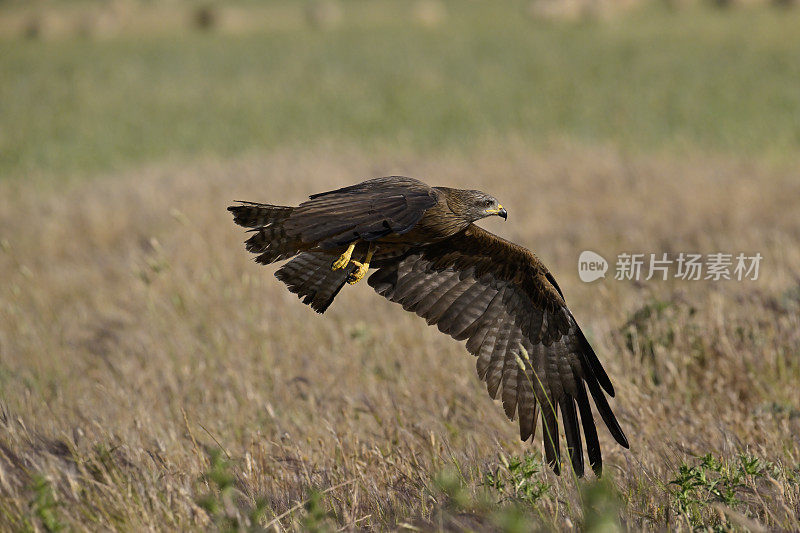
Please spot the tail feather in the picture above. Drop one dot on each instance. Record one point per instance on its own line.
(254, 215)
(272, 243)
(309, 276)
(269, 238)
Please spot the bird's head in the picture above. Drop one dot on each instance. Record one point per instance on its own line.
(478, 205)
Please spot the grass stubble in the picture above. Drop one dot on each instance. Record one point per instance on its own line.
(153, 377)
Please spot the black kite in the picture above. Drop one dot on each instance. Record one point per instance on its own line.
(433, 260)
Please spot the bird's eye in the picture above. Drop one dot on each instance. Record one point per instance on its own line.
(488, 203)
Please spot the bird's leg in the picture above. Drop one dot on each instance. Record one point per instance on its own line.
(344, 259)
(362, 269)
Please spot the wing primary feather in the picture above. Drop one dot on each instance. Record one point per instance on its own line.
(552, 450)
(605, 412)
(526, 401)
(594, 363)
(589, 429)
(527, 419)
(573, 434)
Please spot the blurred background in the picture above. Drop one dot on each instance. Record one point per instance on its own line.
(152, 377)
(90, 86)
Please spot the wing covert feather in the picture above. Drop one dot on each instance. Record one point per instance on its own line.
(367, 211)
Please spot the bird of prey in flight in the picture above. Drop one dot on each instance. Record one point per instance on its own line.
(432, 259)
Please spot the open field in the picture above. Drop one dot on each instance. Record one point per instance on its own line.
(153, 377)
(138, 338)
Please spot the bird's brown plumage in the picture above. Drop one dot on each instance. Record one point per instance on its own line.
(475, 286)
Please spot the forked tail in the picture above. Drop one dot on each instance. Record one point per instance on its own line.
(309, 275)
(270, 239)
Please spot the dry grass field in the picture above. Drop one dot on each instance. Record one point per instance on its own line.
(154, 377)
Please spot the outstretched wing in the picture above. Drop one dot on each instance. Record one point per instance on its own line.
(366, 211)
(499, 297)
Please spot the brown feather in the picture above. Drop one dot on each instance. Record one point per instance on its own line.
(573, 434)
(473, 285)
(498, 296)
(309, 275)
(552, 450)
(367, 211)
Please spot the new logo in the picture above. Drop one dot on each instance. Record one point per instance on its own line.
(591, 266)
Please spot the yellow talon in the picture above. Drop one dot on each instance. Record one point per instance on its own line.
(359, 273)
(344, 259)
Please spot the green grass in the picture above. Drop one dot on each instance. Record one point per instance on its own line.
(651, 81)
(726, 484)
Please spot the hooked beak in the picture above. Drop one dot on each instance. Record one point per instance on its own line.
(502, 212)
